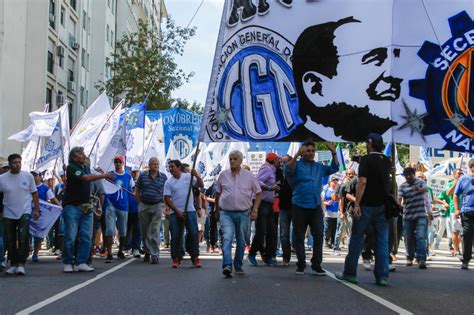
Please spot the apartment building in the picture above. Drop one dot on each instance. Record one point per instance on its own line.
(54, 51)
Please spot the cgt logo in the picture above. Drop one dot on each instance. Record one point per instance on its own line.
(448, 88)
(257, 96)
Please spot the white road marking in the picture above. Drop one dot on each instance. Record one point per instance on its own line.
(371, 296)
(73, 289)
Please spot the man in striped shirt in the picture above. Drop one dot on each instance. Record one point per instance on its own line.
(411, 195)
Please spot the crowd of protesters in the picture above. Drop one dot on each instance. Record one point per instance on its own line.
(293, 205)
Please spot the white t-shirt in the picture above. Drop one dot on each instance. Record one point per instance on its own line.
(178, 190)
(17, 190)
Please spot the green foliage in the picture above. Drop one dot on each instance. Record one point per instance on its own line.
(195, 107)
(144, 62)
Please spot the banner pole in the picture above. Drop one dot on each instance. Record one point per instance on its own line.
(191, 181)
(394, 168)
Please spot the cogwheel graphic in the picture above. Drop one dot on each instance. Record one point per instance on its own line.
(183, 144)
(445, 89)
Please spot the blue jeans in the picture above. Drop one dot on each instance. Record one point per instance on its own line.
(233, 223)
(286, 216)
(77, 223)
(177, 232)
(416, 234)
(374, 216)
(2, 250)
(115, 218)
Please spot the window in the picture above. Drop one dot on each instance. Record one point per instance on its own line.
(52, 14)
(49, 98)
(87, 61)
(50, 62)
(61, 62)
(107, 34)
(83, 58)
(82, 95)
(84, 20)
(62, 17)
(71, 66)
(73, 4)
(112, 38)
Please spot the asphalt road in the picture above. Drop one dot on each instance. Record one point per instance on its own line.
(131, 286)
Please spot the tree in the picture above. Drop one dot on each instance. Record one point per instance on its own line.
(195, 107)
(144, 63)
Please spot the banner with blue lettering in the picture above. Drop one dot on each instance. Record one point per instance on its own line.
(49, 213)
(180, 127)
(338, 70)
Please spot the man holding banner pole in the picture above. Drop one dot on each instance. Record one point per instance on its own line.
(306, 177)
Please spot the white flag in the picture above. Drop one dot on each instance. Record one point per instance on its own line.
(87, 129)
(29, 153)
(172, 154)
(44, 123)
(116, 145)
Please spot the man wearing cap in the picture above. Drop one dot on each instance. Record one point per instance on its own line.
(266, 225)
(465, 189)
(235, 189)
(4, 167)
(369, 208)
(117, 205)
(45, 194)
(415, 217)
(306, 177)
(18, 189)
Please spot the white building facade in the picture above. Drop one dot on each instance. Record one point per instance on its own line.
(54, 51)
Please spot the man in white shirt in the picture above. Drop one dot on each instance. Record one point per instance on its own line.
(175, 192)
(18, 189)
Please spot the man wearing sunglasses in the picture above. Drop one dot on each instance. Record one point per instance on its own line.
(465, 190)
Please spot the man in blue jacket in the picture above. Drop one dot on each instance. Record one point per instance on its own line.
(306, 177)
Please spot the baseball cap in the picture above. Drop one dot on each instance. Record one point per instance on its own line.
(272, 157)
(120, 157)
(333, 178)
(375, 138)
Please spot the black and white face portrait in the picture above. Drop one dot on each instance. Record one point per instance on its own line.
(330, 97)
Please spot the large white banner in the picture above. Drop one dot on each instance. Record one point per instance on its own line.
(337, 70)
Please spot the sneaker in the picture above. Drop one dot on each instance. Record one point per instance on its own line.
(103, 253)
(366, 264)
(465, 266)
(278, 253)
(239, 271)
(271, 263)
(175, 263)
(154, 260)
(409, 263)
(68, 268)
(34, 258)
(394, 257)
(196, 262)
(318, 271)
(136, 253)
(121, 255)
(83, 268)
(11, 270)
(146, 258)
(300, 270)
(391, 267)
(252, 260)
(422, 265)
(341, 276)
(337, 252)
(286, 262)
(109, 259)
(459, 256)
(383, 282)
(20, 270)
(247, 249)
(227, 272)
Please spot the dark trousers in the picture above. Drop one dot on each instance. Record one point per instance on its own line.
(17, 239)
(369, 244)
(286, 216)
(264, 240)
(213, 230)
(330, 225)
(302, 218)
(133, 232)
(467, 234)
(392, 237)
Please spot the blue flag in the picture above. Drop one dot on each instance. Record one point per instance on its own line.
(340, 158)
(135, 116)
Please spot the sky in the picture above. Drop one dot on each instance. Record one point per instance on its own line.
(199, 50)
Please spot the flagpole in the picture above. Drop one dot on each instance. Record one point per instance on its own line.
(394, 168)
(103, 127)
(148, 146)
(36, 151)
(61, 139)
(191, 181)
(144, 132)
